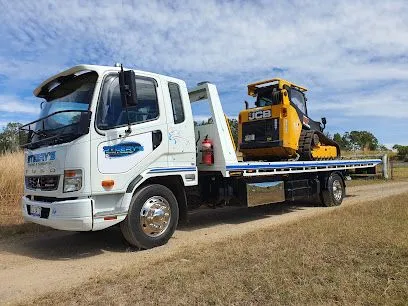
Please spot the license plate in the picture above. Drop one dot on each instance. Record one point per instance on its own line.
(35, 211)
(250, 137)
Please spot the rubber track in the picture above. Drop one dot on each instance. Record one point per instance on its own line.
(305, 144)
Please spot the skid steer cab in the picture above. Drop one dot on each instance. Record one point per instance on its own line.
(278, 127)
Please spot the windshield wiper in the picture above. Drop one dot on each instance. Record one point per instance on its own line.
(39, 133)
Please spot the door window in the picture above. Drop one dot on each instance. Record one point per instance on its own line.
(176, 103)
(298, 99)
(111, 114)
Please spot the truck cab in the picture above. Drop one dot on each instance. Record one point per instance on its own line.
(87, 151)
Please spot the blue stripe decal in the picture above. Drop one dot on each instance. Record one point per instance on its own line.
(158, 170)
(302, 164)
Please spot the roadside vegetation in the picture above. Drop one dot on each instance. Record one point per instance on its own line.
(11, 190)
(352, 255)
(400, 170)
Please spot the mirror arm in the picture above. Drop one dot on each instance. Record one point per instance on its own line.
(129, 129)
(127, 93)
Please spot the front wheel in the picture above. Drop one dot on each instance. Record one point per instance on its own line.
(152, 218)
(334, 192)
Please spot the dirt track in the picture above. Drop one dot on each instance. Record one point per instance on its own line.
(32, 266)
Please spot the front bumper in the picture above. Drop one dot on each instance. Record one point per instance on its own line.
(70, 215)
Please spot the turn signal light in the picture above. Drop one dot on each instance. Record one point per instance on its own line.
(70, 173)
(284, 112)
(108, 183)
(110, 218)
(72, 180)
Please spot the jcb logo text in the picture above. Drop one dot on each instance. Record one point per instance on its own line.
(259, 115)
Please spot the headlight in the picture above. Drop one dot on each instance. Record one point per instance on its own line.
(72, 180)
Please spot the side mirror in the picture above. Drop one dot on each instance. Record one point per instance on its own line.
(323, 125)
(127, 84)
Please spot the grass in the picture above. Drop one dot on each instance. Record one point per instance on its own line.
(399, 173)
(11, 190)
(367, 154)
(400, 170)
(354, 255)
(365, 181)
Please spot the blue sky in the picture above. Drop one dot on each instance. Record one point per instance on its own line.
(352, 55)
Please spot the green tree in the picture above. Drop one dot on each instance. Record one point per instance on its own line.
(233, 123)
(343, 141)
(362, 140)
(402, 151)
(9, 137)
(381, 147)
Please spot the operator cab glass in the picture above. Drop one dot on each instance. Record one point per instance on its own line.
(66, 103)
(268, 96)
(298, 99)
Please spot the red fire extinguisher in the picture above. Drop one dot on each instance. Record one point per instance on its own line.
(207, 151)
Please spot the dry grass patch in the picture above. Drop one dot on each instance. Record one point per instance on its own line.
(400, 171)
(11, 190)
(353, 255)
(368, 181)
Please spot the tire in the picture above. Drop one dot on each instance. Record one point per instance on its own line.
(334, 193)
(152, 217)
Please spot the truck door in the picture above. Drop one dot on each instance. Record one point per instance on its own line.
(182, 151)
(120, 151)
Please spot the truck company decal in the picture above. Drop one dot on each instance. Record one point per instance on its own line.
(122, 149)
(120, 155)
(41, 157)
(260, 114)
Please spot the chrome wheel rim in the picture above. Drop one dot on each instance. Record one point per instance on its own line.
(155, 216)
(337, 190)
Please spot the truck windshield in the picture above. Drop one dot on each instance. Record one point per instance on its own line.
(65, 106)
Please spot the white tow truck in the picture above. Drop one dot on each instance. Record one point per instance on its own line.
(121, 147)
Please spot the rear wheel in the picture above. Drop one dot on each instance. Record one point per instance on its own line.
(334, 192)
(152, 218)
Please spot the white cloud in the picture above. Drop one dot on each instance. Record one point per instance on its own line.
(384, 100)
(340, 50)
(12, 104)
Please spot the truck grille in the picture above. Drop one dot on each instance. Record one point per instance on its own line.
(44, 182)
(263, 130)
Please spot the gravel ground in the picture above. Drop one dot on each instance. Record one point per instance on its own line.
(35, 265)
